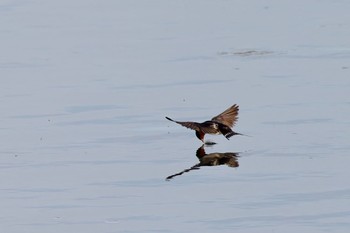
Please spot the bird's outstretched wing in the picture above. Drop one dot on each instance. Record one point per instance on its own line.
(187, 124)
(229, 117)
(195, 167)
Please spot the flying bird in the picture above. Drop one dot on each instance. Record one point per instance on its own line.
(220, 124)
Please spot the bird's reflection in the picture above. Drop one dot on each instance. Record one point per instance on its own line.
(213, 159)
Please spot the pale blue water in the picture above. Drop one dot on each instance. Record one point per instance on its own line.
(85, 87)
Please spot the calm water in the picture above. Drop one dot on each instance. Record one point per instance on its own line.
(85, 87)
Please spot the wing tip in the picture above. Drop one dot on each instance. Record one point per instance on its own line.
(235, 106)
(168, 118)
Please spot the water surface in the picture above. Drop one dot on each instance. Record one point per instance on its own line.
(85, 88)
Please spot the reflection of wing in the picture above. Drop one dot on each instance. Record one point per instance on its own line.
(216, 159)
(195, 167)
(187, 124)
(228, 117)
(232, 162)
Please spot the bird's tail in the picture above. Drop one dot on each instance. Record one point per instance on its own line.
(235, 133)
(228, 132)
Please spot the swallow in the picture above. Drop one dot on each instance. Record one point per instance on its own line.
(220, 124)
(216, 159)
(212, 159)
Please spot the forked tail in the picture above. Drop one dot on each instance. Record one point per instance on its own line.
(234, 133)
(227, 132)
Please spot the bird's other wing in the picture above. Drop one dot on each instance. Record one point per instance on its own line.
(229, 117)
(187, 124)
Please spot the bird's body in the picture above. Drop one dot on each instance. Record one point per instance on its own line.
(220, 124)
